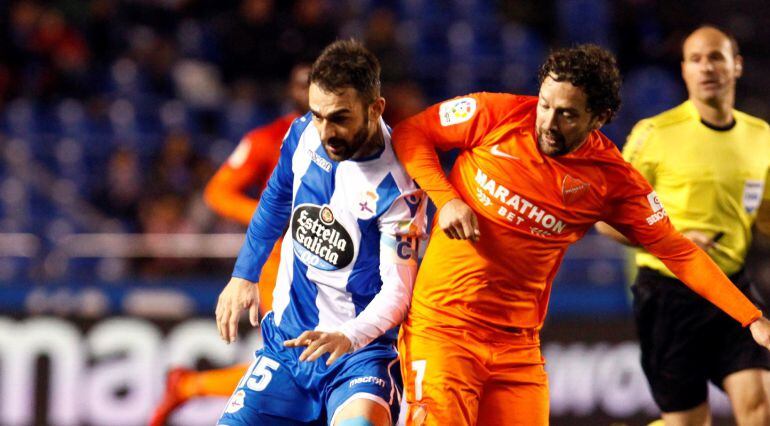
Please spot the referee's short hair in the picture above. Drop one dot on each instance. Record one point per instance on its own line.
(728, 34)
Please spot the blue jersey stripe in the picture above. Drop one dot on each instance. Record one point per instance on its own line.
(300, 315)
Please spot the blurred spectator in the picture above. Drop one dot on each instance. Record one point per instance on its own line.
(309, 29)
(404, 99)
(380, 38)
(248, 43)
(119, 193)
(174, 168)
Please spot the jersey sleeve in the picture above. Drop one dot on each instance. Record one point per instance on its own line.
(244, 170)
(401, 229)
(639, 150)
(638, 214)
(457, 123)
(271, 216)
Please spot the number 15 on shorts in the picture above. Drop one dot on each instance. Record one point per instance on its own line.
(259, 374)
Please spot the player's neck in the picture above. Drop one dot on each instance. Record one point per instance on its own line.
(718, 113)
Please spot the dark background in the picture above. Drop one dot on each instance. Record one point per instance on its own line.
(114, 114)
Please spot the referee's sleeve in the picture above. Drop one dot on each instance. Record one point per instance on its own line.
(639, 150)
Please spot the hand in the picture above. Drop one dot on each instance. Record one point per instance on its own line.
(319, 343)
(238, 295)
(458, 221)
(760, 331)
(701, 239)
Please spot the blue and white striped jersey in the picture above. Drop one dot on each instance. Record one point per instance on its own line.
(349, 256)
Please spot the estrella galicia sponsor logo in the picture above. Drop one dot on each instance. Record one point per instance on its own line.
(320, 240)
(367, 379)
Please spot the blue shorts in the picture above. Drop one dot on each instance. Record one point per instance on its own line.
(278, 389)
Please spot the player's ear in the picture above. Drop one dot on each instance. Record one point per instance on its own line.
(600, 120)
(376, 108)
(738, 66)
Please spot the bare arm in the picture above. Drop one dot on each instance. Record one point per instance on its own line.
(609, 231)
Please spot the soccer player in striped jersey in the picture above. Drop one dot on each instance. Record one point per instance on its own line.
(348, 260)
(532, 177)
(229, 193)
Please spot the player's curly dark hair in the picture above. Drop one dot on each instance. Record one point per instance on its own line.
(347, 63)
(590, 68)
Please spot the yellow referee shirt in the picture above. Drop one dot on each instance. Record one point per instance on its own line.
(707, 179)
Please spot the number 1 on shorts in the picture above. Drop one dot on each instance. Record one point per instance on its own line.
(418, 367)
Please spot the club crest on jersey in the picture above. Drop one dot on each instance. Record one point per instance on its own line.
(320, 240)
(456, 111)
(327, 216)
(236, 402)
(572, 189)
(658, 212)
(366, 206)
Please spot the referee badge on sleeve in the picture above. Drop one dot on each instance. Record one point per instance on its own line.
(752, 195)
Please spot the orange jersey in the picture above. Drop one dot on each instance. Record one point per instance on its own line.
(530, 207)
(248, 168)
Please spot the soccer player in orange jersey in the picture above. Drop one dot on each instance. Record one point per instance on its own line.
(532, 176)
(247, 169)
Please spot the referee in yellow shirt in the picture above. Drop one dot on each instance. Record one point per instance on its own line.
(709, 166)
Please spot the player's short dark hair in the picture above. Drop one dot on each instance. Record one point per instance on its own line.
(592, 69)
(347, 63)
(730, 37)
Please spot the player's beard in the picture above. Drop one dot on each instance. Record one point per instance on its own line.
(346, 150)
(559, 147)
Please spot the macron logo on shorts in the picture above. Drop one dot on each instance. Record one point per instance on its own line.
(368, 379)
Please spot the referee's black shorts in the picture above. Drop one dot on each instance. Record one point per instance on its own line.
(686, 341)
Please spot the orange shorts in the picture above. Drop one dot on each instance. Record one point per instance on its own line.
(267, 279)
(462, 377)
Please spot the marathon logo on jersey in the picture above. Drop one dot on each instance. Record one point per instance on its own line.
(320, 161)
(658, 212)
(367, 379)
(514, 208)
(456, 111)
(320, 240)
